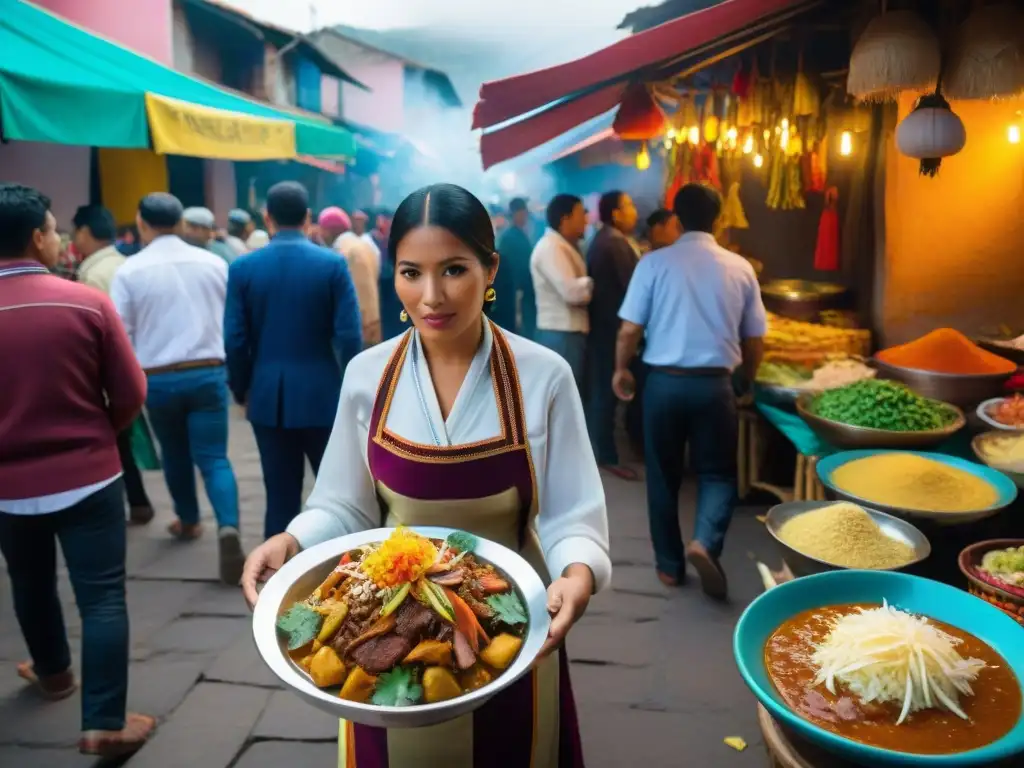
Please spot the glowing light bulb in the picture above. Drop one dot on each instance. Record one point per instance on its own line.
(643, 159)
(784, 138)
(694, 136)
(1013, 134)
(767, 134)
(758, 160)
(846, 144)
(671, 134)
(667, 143)
(784, 124)
(748, 144)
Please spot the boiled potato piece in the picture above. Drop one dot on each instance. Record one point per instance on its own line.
(433, 652)
(501, 651)
(475, 677)
(306, 661)
(358, 686)
(327, 668)
(439, 685)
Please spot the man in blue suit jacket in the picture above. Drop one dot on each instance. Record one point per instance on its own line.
(291, 324)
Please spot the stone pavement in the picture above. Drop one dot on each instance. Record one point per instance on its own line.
(652, 668)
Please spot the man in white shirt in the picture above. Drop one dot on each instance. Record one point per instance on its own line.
(363, 265)
(171, 299)
(698, 307)
(561, 285)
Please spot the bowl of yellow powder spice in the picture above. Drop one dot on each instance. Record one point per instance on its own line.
(914, 484)
(816, 537)
(1003, 451)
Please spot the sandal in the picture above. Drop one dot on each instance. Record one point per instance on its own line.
(185, 532)
(130, 739)
(52, 687)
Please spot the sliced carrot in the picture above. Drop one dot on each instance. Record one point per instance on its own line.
(345, 559)
(466, 621)
(493, 584)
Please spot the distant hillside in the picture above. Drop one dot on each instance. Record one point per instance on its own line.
(473, 57)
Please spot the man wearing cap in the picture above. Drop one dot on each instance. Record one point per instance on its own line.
(170, 297)
(199, 226)
(291, 324)
(240, 227)
(363, 263)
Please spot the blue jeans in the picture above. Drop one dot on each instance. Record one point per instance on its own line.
(93, 539)
(283, 455)
(602, 405)
(571, 345)
(188, 411)
(701, 411)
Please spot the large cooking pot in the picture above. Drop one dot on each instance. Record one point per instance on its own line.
(803, 300)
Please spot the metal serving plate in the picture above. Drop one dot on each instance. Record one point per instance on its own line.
(848, 436)
(804, 565)
(304, 572)
(960, 390)
(1004, 487)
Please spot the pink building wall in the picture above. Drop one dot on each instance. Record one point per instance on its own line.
(383, 106)
(142, 25)
(59, 172)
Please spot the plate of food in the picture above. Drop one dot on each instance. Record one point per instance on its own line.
(995, 573)
(817, 536)
(402, 627)
(1005, 413)
(915, 484)
(884, 668)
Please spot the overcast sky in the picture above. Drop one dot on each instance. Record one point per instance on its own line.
(383, 14)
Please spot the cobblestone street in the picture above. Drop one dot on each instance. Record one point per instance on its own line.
(652, 668)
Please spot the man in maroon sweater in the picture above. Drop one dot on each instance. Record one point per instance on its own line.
(70, 383)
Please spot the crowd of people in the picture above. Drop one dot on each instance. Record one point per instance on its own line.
(303, 326)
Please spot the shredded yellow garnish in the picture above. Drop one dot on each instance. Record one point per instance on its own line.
(886, 655)
(403, 557)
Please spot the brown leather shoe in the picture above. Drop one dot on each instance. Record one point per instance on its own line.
(712, 577)
(52, 687)
(130, 739)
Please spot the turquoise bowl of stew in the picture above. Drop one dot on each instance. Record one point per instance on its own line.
(1005, 488)
(910, 593)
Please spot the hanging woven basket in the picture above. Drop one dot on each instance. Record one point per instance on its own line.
(987, 61)
(931, 132)
(897, 51)
(639, 117)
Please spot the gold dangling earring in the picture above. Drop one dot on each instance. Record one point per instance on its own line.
(490, 295)
(404, 316)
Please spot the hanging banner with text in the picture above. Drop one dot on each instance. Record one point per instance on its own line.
(182, 128)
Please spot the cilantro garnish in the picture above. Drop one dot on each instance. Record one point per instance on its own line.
(461, 541)
(509, 608)
(301, 624)
(397, 688)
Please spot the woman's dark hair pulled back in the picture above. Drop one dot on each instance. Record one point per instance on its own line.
(452, 208)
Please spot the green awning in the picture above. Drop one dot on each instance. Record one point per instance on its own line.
(62, 84)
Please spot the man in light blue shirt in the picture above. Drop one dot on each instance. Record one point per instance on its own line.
(700, 306)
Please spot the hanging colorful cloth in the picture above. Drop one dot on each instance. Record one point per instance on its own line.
(826, 252)
(733, 216)
(705, 166)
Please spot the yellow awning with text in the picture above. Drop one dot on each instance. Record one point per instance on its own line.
(182, 128)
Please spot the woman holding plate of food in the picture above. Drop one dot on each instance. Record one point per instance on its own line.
(457, 423)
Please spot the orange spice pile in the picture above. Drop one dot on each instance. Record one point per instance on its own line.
(946, 351)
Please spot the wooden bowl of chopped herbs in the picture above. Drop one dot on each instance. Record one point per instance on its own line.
(875, 413)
